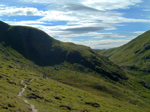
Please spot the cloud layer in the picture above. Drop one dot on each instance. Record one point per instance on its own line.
(93, 21)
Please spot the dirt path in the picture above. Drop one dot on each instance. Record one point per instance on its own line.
(21, 94)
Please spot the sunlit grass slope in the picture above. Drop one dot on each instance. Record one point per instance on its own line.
(136, 53)
(84, 92)
(134, 57)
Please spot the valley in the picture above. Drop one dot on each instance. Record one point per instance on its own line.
(67, 77)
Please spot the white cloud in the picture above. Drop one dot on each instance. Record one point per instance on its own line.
(137, 32)
(25, 23)
(84, 18)
(51, 1)
(98, 44)
(85, 22)
(110, 4)
(72, 14)
(98, 4)
(109, 35)
(58, 16)
(15, 11)
(104, 44)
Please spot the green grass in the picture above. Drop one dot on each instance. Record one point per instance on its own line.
(75, 98)
(73, 88)
(133, 56)
(134, 59)
(81, 79)
(132, 53)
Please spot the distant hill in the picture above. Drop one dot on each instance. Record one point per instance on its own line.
(133, 55)
(42, 49)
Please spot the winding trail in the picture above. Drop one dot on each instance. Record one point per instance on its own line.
(21, 94)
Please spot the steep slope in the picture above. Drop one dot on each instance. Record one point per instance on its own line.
(135, 54)
(39, 47)
(133, 57)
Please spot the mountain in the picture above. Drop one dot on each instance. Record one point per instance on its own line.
(39, 47)
(80, 80)
(133, 55)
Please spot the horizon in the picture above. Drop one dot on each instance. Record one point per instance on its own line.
(97, 24)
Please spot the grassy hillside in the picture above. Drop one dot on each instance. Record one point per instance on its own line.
(39, 47)
(133, 56)
(136, 53)
(84, 91)
(66, 77)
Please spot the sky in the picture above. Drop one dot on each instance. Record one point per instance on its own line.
(99, 24)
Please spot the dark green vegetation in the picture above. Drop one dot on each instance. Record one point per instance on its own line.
(79, 81)
(39, 47)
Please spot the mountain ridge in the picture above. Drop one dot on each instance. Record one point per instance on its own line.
(39, 47)
(136, 51)
(133, 57)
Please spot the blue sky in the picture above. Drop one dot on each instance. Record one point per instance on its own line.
(99, 24)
